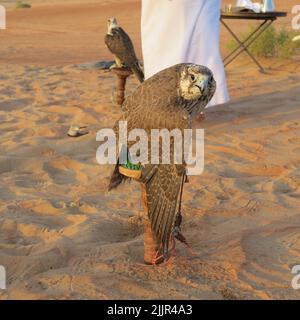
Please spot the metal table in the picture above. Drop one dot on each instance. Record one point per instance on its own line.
(266, 20)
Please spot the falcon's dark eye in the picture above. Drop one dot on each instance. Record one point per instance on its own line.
(192, 77)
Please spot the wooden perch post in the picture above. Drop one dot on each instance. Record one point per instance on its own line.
(150, 244)
(122, 75)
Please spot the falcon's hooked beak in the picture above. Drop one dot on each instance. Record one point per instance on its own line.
(111, 25)
(202, 82)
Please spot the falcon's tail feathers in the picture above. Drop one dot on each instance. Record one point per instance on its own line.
(116, 178)
(136, 69)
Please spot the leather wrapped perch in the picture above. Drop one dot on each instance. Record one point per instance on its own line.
(151, 246)
(122, 75)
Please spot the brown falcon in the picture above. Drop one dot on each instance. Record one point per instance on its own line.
(120, 45)
(170, 99)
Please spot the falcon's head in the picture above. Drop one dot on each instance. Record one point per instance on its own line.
(196, 83)
(111, 25)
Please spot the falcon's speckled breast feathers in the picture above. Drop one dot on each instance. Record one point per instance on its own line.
(170, 99)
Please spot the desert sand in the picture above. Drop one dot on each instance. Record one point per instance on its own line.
(63, 236)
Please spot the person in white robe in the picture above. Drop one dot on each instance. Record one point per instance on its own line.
(183, 31)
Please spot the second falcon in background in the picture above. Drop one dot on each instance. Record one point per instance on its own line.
(120, 45)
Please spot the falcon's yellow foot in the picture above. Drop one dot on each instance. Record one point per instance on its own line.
(115, 66)
(118, 64)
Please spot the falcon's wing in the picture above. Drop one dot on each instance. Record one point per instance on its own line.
(152, 100)
(118, 45)
(163, 183)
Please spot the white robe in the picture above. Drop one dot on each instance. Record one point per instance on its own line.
(178, 31)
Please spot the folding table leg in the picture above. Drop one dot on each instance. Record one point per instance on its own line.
(245, 41)
(244, 45)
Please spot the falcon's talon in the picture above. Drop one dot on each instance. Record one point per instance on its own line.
(113, 66)
(158, 259)
(117, 66)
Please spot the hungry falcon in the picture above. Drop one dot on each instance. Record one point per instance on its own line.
(120, 45)
(170, 99)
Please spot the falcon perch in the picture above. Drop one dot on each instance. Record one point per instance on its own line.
(120, 45)
(170, 99)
